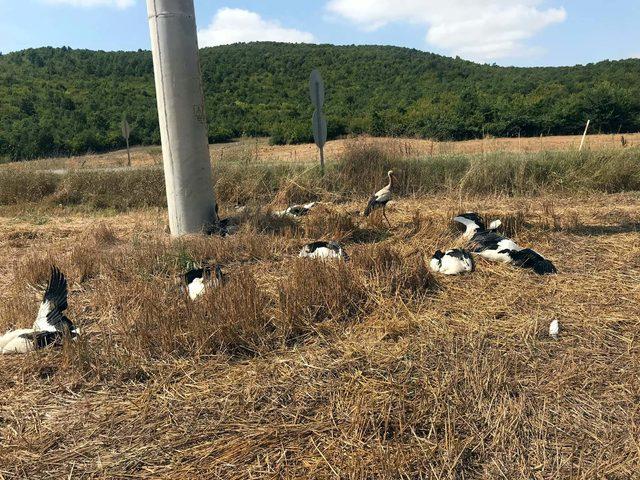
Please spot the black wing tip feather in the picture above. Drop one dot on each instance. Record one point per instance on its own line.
(298, 210)
(313, 246)
(192, 274)
(458, 253)
(60, 321)
(370, 206)
(545, 267)
(528, 258)
(57, 289)
(45, 339)
(219, 274)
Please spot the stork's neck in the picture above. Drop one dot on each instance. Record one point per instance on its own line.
(390, 182)
(470, 231)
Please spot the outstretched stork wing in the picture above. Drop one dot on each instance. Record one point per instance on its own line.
(53, 303)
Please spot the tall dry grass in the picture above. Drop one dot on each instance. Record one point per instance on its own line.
(360, 170)
(316, 292)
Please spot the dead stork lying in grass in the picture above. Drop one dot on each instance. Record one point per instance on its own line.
(486, 242)
(199, 279)
(528, 258)
(225, 226)
(324, 250)
(492, 246)
(381, 198)
(452, 262)
(296, 210)
(51, 326)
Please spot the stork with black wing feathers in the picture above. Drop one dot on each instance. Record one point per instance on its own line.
(51, 326)
(381, 198)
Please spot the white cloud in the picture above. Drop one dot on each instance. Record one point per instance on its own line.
(233, 25)
(94, 3)
(474, 29)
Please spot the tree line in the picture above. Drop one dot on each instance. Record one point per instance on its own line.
(60, 101)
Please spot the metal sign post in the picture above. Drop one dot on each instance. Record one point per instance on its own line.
(318, 121)
(126, 131)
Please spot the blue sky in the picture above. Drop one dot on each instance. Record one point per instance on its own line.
(507, 32)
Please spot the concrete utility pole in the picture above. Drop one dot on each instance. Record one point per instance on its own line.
(183, 123)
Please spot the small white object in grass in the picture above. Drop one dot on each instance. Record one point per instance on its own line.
(554, 329)
(495, 224)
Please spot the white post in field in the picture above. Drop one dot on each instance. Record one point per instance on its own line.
(584, 135)
(183, 123)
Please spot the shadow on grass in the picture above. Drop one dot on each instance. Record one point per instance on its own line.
(601, 230)
(367, 235)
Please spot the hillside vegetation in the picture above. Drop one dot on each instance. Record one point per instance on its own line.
(57, 101)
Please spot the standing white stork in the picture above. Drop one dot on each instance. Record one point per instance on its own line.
(381, 198)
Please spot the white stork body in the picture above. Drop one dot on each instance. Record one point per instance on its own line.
(381, 198)
(323, 250)
(296, 210)
(198, 280)
(196, 288)
(12, 342)
(499, 252)
(496, 248)
(452, 262)
(486, 242)
(50, 327)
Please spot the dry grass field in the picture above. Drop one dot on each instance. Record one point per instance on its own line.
(258, 151)
(372, 368)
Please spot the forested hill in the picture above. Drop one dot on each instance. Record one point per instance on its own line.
(59, 100)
